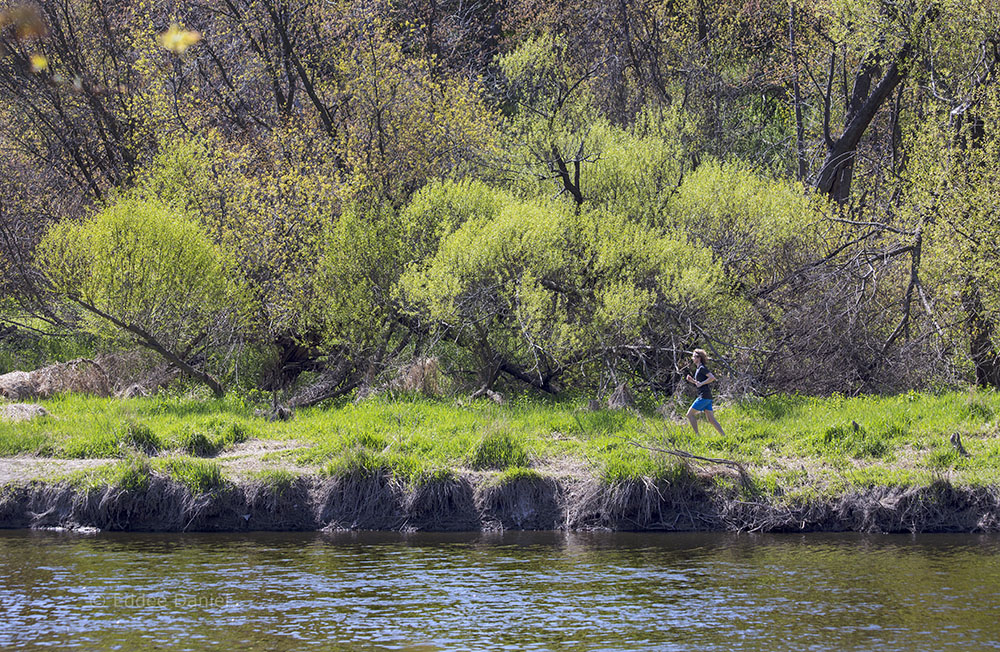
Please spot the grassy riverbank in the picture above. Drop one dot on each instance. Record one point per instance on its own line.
(791, 445)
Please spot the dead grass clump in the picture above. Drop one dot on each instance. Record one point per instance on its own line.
(136, 373)
(362, 501)
(520, 499)
(643, 504)
(279, 500)
(16, 386)
(82, 376)
(423, 375)
(18, 412)
(443, 503)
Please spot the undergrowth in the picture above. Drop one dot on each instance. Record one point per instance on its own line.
(789, 444)
(200, 476)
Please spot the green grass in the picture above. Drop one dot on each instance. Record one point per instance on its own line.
(211, 437)
(200, 476)
(516, 474)
(498, 450)
(789, 443)
(279, 480)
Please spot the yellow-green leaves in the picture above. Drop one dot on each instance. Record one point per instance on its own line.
(540, 283)
(176, 39)
(142, 265)
(756, 225)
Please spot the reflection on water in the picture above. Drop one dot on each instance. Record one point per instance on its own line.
(517, 591)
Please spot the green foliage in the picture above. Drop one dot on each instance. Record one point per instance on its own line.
(498, 450)
(30, 350)
(369, 247)
(951, 196)
(200, 476)
(537, 281)
(554, 109)
(757, 225)
(209, 438)
(406, 120)
(138, 266)
(638, 168)
(132, 473)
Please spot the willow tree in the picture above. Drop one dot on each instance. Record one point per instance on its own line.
(538, 291)
(143, 273)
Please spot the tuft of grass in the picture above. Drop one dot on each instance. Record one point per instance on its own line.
(211, 438)
(977, 409)
(433, 476)
(357, 462)
(855, 441)
(498, 450)
(516, 474)
(625, 466)
(200, 476)
(196, 442)
(278, 480)
(138, 437)
(130, 437)
(132, 473)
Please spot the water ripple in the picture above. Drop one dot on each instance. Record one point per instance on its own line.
(517, 591)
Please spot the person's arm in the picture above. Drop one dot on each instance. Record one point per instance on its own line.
(710, 379)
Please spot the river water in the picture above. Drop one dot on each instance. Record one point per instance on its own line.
(510, 591)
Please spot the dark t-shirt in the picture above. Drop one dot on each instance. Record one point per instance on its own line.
(702, 375)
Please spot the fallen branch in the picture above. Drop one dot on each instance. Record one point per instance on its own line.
(745, 478)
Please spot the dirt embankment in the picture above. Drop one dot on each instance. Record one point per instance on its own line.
(475, 503)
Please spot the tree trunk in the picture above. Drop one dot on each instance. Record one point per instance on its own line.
(834, 178)
(984, 354)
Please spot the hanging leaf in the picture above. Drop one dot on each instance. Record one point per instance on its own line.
(39, 62)
(178, 40)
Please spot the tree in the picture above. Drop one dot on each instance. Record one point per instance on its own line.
(534, 289)
(142, 272)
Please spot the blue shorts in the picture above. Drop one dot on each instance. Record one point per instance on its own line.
(702, 404)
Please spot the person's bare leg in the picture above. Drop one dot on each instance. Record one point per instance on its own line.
(693, 419)
(711, 419)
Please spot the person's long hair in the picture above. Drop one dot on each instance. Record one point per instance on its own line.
(702, 355)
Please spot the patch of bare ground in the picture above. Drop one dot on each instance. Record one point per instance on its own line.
(252, 457)
(25, 469)
(565, 468)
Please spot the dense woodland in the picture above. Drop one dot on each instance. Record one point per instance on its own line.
(318, 197)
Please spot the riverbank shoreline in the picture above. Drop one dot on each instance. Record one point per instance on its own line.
(477, 502)
(908, 463)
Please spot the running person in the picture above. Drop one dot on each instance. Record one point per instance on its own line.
(702, 377)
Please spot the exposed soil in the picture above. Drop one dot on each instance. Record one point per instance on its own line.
(475, 501)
